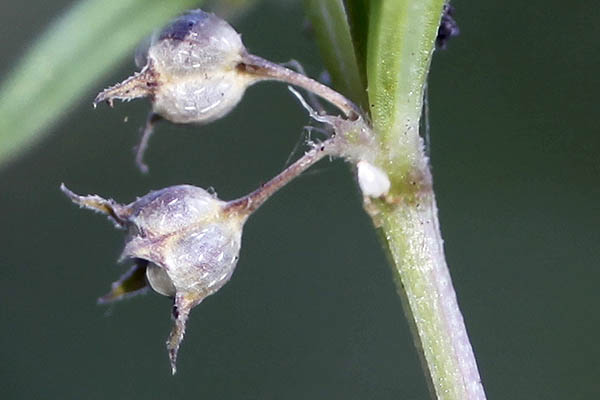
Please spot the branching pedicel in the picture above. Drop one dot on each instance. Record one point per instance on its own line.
(183, 241)
(197, 70)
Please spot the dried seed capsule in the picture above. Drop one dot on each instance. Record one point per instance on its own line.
(190, 74)
(197, 70)
(184, 241)
(190, 70)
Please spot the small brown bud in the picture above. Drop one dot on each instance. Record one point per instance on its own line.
(184, 242)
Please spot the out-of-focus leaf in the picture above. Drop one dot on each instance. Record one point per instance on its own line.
(358, 20)
(231, 10)
(331, 24)
(68, 59)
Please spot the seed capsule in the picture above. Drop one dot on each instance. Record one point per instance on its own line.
(197, 70)
(184, 242)
(190, 71)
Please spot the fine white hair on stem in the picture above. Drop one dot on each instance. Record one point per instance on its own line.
(312, 98)
(300, 141)
(311, 112)
(354, 138)
(373, 181)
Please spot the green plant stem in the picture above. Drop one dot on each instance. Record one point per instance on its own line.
(400, 45)
(399, 37)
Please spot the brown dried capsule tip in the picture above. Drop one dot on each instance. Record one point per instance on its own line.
(184, 242)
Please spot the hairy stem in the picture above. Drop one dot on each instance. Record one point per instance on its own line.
(411, 232)
(400, 45)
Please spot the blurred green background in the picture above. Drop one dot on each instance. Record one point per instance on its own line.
(311, 311)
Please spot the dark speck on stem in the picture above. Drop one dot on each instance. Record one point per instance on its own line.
(448, 28)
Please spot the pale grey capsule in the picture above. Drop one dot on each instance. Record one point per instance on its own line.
(197, 55)
(196, 42)
(183, 230)
(190, 70)
(184, 242)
